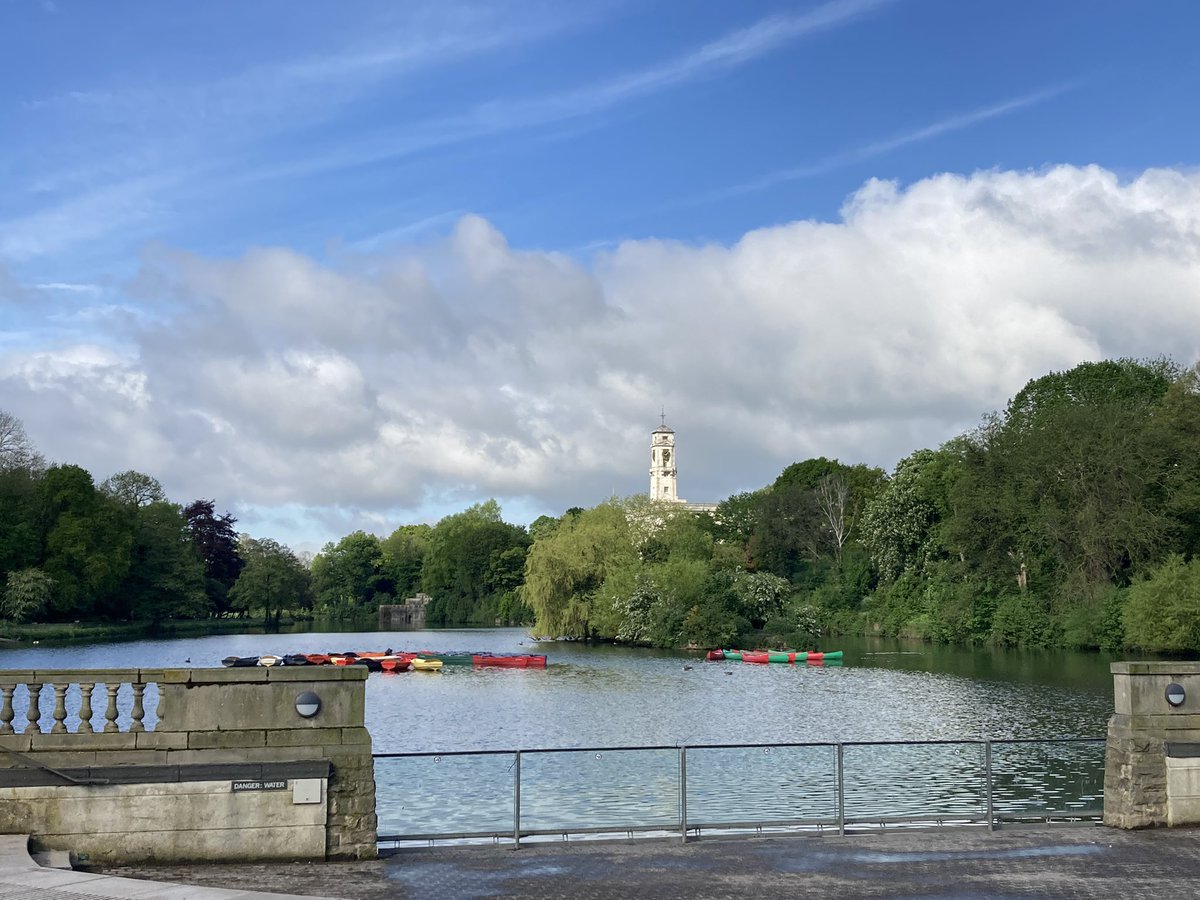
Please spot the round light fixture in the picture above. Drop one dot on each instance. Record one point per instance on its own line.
(1175, 694)
(308, 704)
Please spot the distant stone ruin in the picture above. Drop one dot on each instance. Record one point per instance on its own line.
(409, 614)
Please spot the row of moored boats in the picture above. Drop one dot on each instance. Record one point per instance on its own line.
(394, 661)
(808, 657)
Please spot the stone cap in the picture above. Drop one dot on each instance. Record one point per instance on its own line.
(1174, 667)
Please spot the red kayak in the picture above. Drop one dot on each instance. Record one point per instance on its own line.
(519, 661)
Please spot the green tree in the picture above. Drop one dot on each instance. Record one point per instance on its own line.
(88, 544)
(471, 562)
(348, 576)
(166, 575)
(1163, 610)
(272, 580)
(133, 489)
(565, 572)
(404, 553)
(21, 538)
(26, 594)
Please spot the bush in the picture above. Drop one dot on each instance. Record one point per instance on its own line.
(1021, 620)
(1163, 611)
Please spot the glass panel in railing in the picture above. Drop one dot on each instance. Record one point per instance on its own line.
(1048, 779)
(444, 794)
(618, 790)
(914, 782)
(789, 785)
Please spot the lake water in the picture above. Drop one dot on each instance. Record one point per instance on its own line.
(603, 695)
(595, 697)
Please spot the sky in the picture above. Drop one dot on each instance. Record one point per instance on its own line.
(360, 265)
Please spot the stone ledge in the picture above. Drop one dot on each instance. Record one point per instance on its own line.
(168, 774)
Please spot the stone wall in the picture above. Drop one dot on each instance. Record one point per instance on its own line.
(230, 770)
(407, 615)
(1150, 771)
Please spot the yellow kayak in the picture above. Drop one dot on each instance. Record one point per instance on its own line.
(426, 665)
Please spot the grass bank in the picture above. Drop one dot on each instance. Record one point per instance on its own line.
(63, 633)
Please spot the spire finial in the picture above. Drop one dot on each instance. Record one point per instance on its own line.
(663, 416)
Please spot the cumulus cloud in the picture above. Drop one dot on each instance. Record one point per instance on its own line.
(376, 387)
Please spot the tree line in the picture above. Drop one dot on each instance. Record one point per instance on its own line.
(1069, 519)
(120, 551)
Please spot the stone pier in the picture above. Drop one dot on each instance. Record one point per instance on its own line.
(138, 765)
(1152, 768)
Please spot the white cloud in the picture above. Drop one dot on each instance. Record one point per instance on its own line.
(448, 372)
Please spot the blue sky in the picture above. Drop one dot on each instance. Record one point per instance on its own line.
(416, 255)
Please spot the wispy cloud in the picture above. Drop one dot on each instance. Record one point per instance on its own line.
(882, 147)
(727, 52)
(69, 287)
(374, 242)
(500, 116)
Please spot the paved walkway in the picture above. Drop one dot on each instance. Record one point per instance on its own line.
(23, 879)
(1063, 861)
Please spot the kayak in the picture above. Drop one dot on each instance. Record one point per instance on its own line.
(422, 664)
(516, 661)
(776, 656)
(239, 661)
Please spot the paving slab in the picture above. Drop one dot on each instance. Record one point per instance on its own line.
(1052, 862)
(21, 878)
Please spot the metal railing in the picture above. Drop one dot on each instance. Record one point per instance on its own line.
(503, 795)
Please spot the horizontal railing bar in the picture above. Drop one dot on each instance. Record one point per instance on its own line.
(1069, 740)
(446, 836)
(969, 742)
(83, 676)
(773, 823)
(1090, 812)
(601, 829)
(410, 754)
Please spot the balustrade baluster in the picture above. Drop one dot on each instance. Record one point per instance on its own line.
(85, 708)
(35, 711)
(110, 714)
(6, 708)
(60, 709)
(138, 712)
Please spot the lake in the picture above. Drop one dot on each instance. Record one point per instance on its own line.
(604, 695)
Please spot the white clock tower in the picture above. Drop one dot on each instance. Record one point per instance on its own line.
(663, 485)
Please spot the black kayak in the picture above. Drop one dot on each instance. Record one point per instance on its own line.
(239, 661)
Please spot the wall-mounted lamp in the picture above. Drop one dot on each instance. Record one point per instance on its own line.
(1175, 694)
(308, 704)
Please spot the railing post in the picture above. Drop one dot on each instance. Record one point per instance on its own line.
(841, 790)
(34, 712)
(683, 817)
(85, 707)
(110, 712)
(60, 709)
(987, 762)
(138, 712)
(6, 708)
(517, 802)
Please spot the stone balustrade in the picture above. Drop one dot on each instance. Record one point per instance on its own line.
(76, 700)
(127, 765)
